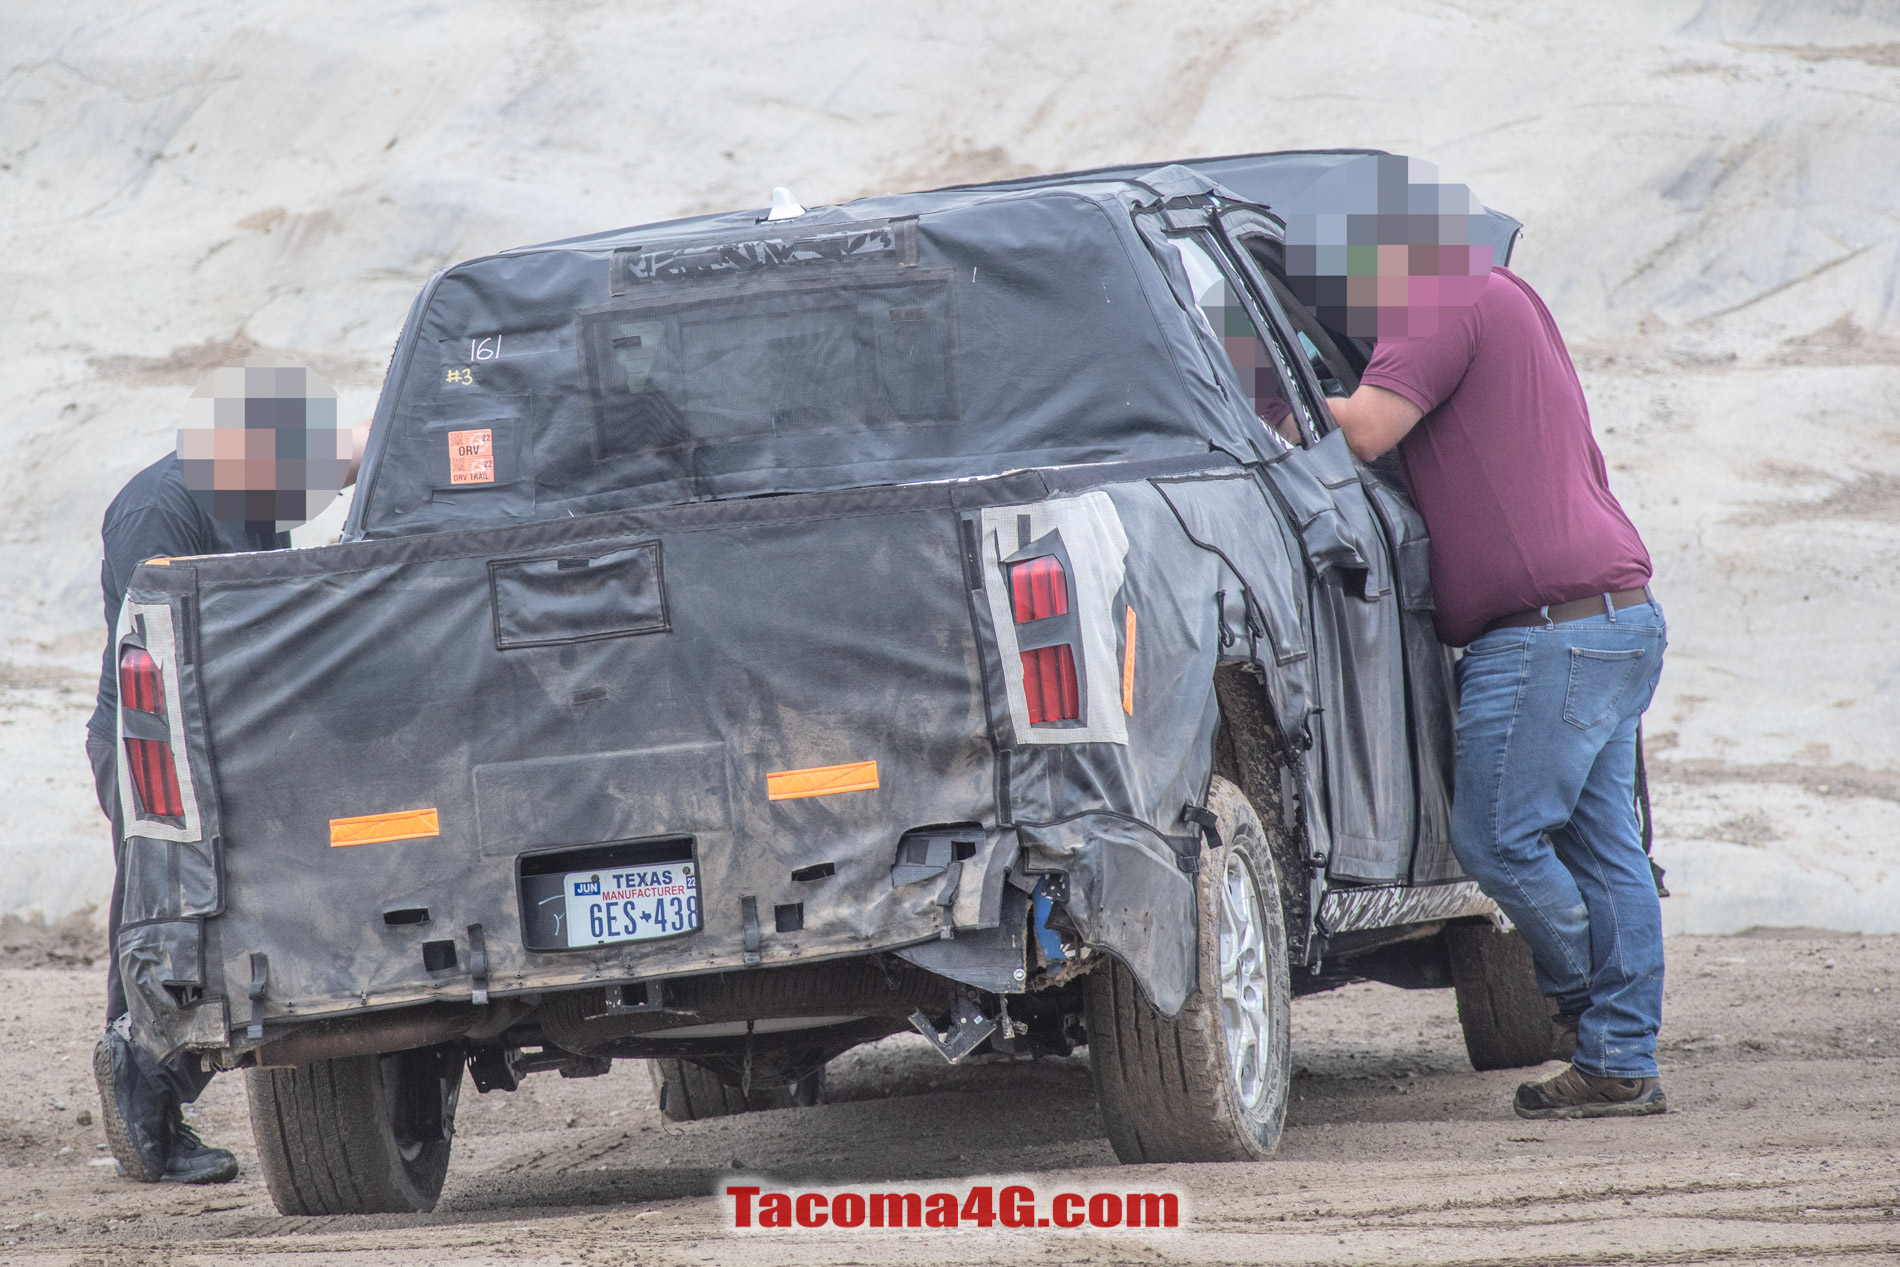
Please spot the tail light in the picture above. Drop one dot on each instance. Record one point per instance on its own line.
(139, 684)
(1039, 589)
(154, 776)
(1049, 684)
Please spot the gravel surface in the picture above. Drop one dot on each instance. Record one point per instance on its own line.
(1778, 1057)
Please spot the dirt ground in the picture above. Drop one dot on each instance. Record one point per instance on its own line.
(1783, 1143)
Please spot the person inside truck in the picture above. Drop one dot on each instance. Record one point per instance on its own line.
(260, 453)
(1539, 575)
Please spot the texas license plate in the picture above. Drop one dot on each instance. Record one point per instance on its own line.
(633, 903)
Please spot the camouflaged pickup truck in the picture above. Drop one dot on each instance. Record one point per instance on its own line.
(759, 634)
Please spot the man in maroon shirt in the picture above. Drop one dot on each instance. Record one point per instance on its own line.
(1540, 576)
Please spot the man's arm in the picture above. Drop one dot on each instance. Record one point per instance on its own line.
(1276, 413)
(359, 440)
(1374, 419)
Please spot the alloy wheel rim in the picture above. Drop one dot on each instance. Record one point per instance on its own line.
(1243, 981)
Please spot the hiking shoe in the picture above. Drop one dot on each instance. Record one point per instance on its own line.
(1563, 1036)
(194, 1161)
(131, 1110)
(1574, 1093)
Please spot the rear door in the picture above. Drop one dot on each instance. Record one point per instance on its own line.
(1365, 764)
(1330, 365)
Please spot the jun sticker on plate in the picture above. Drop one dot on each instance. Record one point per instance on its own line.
(630, 903)
(472, 456)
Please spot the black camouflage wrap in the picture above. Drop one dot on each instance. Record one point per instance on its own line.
(754, 490)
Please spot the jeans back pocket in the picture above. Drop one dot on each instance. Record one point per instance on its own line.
(1598, 682)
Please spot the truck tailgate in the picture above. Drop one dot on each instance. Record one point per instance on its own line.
(394, 724)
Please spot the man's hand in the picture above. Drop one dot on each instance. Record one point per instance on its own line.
(1374, 419)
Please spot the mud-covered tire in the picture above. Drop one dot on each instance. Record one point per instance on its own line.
(1211, 1084)
(1507, 1022)
(687, 1092)
(357, 1135)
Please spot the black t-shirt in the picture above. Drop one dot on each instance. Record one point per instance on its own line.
(154, 517)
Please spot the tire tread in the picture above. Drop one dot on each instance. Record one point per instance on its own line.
(694, 1093)
(1163, 1085)
(1506, 1020)
(325, 1146)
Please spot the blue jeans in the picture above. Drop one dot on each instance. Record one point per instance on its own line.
(1543, 818)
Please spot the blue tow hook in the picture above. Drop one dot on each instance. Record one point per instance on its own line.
(1048, 940)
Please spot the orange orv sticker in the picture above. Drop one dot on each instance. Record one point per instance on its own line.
(824, 780)
(370, 829)
(472, 457)
(1128, 666)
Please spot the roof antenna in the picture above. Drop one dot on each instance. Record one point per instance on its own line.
(784, 206)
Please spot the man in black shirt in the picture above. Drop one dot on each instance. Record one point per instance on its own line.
(178, 506)
(154, 516)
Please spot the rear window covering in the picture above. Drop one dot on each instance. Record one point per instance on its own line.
(973, 340)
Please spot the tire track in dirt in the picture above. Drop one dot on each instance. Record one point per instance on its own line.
(1778, 1149)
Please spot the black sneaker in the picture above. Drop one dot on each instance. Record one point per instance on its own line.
(132, 1111)
(194, 1161)
(1574, 1093)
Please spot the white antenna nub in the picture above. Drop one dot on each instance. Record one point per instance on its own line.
(784, 206)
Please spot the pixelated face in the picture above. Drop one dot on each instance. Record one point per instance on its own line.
(261, 443)
(1382, 250)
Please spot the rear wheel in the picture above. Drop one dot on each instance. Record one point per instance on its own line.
(1507, 1021)
(358, 1135)
(688, 1092)
(1211, 1084)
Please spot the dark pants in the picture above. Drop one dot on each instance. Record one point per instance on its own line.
(181, 1076)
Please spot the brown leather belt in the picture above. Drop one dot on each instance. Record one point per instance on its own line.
(1562, 612)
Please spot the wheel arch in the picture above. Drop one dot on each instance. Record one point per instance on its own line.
(1250, 751)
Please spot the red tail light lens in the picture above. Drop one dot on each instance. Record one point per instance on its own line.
(1040, 589)
(1049, 684)
(154, 776)
(139, 685)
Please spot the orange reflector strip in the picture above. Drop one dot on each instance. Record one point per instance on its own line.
(824, 780)
(1128, 666)
(370, 829)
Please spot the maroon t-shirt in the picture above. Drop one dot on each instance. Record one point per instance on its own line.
(1503, 465)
